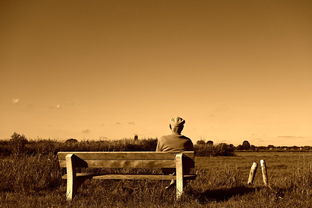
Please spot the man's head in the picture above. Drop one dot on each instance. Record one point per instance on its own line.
(176, 125)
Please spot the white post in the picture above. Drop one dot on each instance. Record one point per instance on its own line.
(264, 172)
(179, 175)
(71, 177)
(252, 173)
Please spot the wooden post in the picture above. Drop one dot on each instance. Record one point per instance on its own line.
(71, 177)
(179, 175)
(264, 172)
(252, 173)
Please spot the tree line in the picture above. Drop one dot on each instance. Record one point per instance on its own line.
(246, 146)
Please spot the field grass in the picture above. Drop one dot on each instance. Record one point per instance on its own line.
(34, 181)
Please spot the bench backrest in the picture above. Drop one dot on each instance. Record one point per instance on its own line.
(126, 159)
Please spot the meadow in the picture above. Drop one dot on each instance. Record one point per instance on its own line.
(32, 178)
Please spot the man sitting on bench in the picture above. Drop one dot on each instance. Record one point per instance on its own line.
(175, 142)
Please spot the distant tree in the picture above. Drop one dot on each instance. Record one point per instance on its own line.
(239, 147)
(209, 143)
(224, 149)
(18, 138)
(271, 147)
(246, 145)
(200, 142)
(136, 137)
(253, 147)
(71, 140)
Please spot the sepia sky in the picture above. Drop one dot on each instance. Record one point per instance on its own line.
(234, 70)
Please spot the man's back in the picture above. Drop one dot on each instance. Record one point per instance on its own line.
(174, 142)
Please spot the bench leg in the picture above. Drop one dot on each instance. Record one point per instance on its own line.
(179, 175)
(71, 178)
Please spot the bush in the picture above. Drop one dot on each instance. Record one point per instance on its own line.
(210, 143)
(43, 147)
(221, 149)
(244, 146)
(200, 142)
(18, 144)
(224, 149)
(71, 140)
(5, 148)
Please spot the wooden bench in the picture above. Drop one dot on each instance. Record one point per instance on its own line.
(75, 160)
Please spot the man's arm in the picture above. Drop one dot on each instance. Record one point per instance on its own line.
(189, 145)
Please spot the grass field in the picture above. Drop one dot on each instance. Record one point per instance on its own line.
(34, 181)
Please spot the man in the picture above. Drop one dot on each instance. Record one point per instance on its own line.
(174, 142)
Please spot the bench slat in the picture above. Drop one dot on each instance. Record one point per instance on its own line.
(125, 155)
(123, 163)
(132, 177)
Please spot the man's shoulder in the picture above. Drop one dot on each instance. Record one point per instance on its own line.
(174, 137)
(164, 137)
(185, 137)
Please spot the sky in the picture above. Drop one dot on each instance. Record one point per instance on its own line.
(234, 70)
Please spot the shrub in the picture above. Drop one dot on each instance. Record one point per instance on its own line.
(71, 140)
(18, 144)
(200, 142)
(43, 147)
(210, 143)
(136, 137)
(221, 149)
(5, 149)
(224, 149)
(245, 145)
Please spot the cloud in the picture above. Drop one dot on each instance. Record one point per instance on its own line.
(86, 131)
(15, 100)
(211, 115)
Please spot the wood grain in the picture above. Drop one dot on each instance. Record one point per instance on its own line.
(179, 175)
(131, 177)
(123, 163)
(126, 159)
(71, 178)
(125, 155)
